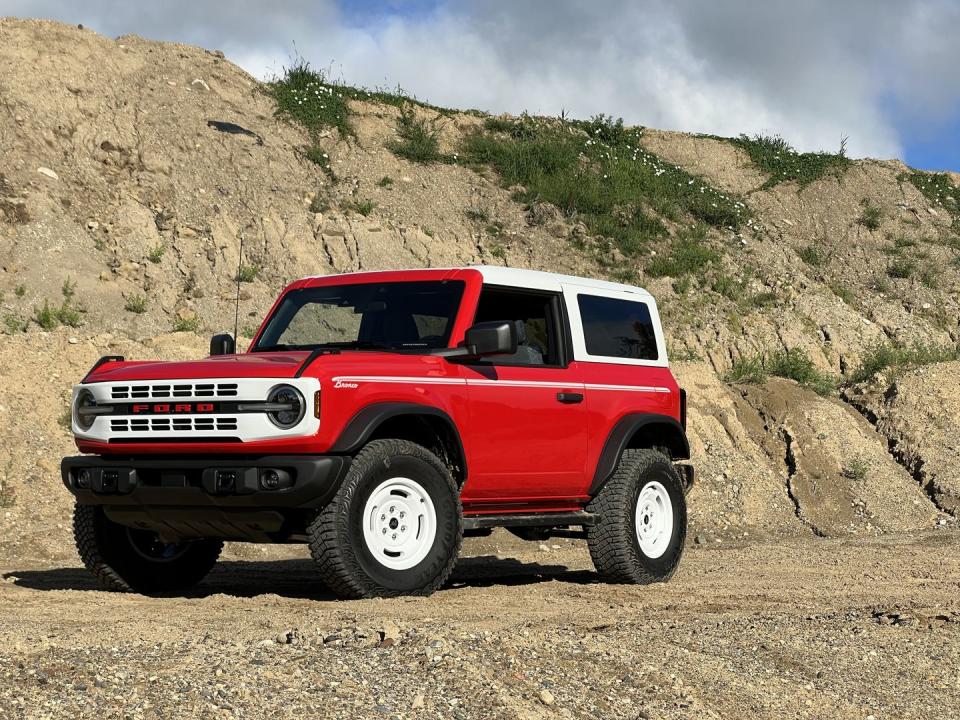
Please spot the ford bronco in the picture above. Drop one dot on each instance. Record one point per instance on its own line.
(381, 416)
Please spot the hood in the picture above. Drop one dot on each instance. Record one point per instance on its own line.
(252, 365)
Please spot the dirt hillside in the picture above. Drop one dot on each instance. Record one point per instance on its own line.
(811, 306)
(131, 171)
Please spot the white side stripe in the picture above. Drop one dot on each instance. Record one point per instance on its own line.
(407, 380)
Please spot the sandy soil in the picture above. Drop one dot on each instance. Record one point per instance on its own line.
(806, 628)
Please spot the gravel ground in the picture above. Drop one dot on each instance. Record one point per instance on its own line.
(809, 628)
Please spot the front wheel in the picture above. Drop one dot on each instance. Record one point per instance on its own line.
(642, 524)
(126, 559)
(393, 528)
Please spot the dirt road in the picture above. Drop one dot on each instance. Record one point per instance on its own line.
(808, 628)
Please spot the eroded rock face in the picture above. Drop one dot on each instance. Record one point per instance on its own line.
(838, 471)
(918, 413)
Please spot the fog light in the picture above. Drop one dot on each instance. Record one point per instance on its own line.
(271, 479)
(226, 480)
(83, 479)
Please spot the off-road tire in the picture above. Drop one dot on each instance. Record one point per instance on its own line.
(613, 542)
(336, 538)
(107, 549)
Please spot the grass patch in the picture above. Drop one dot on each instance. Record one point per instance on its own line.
(813, 256)
(304, 96)
(870, 216)
(385, 182)
(855, 469)
(479, 215)
(20, 290)
(774, 156)
(419, 138)
(596, 172)
(793, 364)
(902, 268)
(363, 207)
(186, 324)
(688, 255)
(842, 292)
(13, 324)
(156, 254)
(887, 356)
(939, 189)
(247, 273)
(136, 304)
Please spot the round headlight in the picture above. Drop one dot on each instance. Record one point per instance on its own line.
(294, 406)
(84, 399)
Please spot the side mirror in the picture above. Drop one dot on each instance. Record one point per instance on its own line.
(223, 344)
(498, 337)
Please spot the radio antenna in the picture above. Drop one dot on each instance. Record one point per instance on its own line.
(236, 312)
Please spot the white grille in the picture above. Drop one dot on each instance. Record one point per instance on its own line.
(166, 391)
(174, 424)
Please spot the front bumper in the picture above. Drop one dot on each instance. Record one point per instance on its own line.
(201, 482)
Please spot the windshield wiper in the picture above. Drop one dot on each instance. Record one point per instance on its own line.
(357, 345)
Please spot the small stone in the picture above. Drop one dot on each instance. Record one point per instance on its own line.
(418, 702)
(546, 697)
(92, 224)
(700, 539)
(390, 631)
(72, 341)
(47, 172)
(926, 306)
(544, 548)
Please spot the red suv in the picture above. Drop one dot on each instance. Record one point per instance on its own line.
(380, 417)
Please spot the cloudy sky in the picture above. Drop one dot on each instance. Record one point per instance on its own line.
(883, 73)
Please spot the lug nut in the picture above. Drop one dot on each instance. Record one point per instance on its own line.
(394, 536)
(384, 531)
(392, 508)
(403, 528)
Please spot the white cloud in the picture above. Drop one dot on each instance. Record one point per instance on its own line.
(813, 72)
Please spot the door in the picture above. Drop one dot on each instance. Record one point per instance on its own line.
(528, 423)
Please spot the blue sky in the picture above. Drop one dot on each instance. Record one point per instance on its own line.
(882, 73)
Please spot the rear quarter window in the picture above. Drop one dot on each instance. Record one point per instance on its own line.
(617, 328)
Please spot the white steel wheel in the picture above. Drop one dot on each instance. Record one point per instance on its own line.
(399, 523)
(653, 519)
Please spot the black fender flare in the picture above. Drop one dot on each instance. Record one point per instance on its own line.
(673, 437)
(365, 422)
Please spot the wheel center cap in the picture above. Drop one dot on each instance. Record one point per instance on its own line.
(394, 523)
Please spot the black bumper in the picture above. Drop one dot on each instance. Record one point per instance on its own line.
(253, 483)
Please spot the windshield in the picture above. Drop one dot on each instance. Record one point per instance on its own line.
(390, 316)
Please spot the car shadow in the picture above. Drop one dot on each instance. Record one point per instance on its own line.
(298, 579)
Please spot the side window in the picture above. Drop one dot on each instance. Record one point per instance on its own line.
(617, 328)
(535, 314)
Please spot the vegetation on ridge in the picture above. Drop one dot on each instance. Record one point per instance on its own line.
(776, 157)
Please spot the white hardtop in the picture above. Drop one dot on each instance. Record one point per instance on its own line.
(529, 279)
(539, 280)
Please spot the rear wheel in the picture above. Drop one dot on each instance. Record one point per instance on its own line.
(393, 528)
(642, 525)
(125, 559)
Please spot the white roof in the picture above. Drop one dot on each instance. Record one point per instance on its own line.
(519, 277)
(539, 280)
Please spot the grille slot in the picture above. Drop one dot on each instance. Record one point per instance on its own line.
(179, 424)
(162, 391)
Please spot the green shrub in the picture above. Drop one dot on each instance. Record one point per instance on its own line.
(888, 356)
(902, 269)
(843, 292)
(304, 95)
(939, 189)
(46, 317)
(13, 324)
(385, 182)
(855, 469)
(156, 254)
(363, 207)
(871, 216)
(774, 156)
(419, 138)
(68, 289)
(813, 256)
(186, 324)
(688, 255)
(793, 364)
(20, 290)
(136, 304)
(479, 215)
(247, 273)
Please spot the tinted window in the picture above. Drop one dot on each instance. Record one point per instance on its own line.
(399, 316)
(617, 328)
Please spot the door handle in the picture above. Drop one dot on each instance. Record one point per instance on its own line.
(569, 398)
